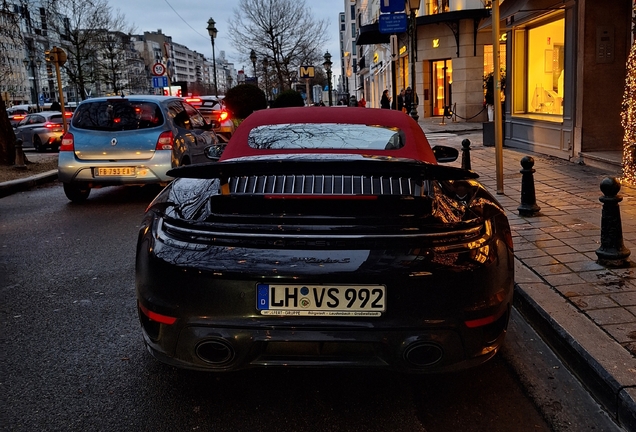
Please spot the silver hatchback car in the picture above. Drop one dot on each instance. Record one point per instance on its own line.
(42, 130)
(130, 140)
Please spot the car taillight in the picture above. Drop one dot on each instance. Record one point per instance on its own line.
(52, 125)
(223, 115)
(165, 141)
(68, 142)
(18, 117)
(193, 101)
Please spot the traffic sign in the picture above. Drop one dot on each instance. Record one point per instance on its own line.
(392, 23)
(391, 6)
(158, 69)
(159, 82)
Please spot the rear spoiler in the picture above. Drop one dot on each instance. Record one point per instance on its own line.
(368, 166)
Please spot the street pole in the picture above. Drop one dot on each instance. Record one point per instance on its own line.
(413, 5)
(212, 31)
(497, 97)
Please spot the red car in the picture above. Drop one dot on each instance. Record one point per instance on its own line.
(325, 237)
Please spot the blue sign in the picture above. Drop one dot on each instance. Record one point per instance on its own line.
(392, 23)
(159, 81)
(387, 6)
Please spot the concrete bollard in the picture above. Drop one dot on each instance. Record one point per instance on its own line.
(19, 155)
(612, 252)
(466, 154)
(528, 206)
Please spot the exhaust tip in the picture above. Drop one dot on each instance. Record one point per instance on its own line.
(423, 354)
(216, 352)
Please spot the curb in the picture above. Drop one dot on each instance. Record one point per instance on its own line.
(604, 367)
(19, 185)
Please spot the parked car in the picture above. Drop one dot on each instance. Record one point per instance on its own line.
(41, 130)
(130, 140)
(214, 110)
(325, 237)
(17, 114)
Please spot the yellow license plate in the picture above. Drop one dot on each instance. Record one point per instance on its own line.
(116, 171)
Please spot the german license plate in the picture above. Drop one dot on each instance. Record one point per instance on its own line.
(321, 300)
(116, 171)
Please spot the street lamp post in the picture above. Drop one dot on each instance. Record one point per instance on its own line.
(265, 72)
(327, 65)
(212, 31)
(414, 5)
(32, 63)
(253, 58)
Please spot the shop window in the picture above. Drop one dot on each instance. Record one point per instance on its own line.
(539, 70)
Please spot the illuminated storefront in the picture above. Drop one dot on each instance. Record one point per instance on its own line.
(563, 92)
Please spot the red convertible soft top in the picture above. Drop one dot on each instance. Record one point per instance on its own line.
(416, 145)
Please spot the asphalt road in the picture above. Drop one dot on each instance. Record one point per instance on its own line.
(73, 357)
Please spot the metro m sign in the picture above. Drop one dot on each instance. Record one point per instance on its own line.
(306, 72)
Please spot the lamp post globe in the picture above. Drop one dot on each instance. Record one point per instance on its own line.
(212, 31)
(413, 5)
(327, 65)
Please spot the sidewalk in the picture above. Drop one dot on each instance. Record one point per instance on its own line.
(586, 312)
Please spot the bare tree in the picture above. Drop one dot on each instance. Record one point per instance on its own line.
(10, 42)
(285, 31)
(80, 25)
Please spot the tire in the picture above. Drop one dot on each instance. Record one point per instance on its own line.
(76, 192)
(37, 144)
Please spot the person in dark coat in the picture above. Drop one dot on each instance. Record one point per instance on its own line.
(385, 101)
(400, 100)
(55, 106)
(410, 99)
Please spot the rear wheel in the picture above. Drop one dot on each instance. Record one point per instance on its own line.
(37, 143)
(76, 192)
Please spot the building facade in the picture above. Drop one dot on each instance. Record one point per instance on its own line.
(566, 77)
(562, 63)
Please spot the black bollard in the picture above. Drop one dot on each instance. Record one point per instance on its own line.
(19, 155)
(466, 154)
(528, 206)
(612, 252)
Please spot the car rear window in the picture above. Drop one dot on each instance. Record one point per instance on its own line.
(117, 115)
(211, 105)
(325, 136)
(56, 119)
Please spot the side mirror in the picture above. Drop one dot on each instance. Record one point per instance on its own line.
(214, 152)
(445, 154)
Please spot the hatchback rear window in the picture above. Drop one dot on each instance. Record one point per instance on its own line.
(326, 136)
(117, 115)
(56, 119)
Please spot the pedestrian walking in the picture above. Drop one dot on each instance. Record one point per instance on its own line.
(400, 101)
(385, 101)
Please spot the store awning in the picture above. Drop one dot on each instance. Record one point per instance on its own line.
(518, 11)
(370, 35)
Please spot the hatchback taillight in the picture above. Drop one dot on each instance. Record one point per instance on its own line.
(165, 141)
(223, 115)
(68, 142)
(52, 125)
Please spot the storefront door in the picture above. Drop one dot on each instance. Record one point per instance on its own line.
(442, 74)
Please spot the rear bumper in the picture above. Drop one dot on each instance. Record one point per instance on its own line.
(150, 171)
(423, 350)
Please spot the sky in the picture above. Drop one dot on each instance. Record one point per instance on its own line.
(187, 20)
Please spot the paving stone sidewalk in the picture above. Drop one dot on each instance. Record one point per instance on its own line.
(587, 312)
